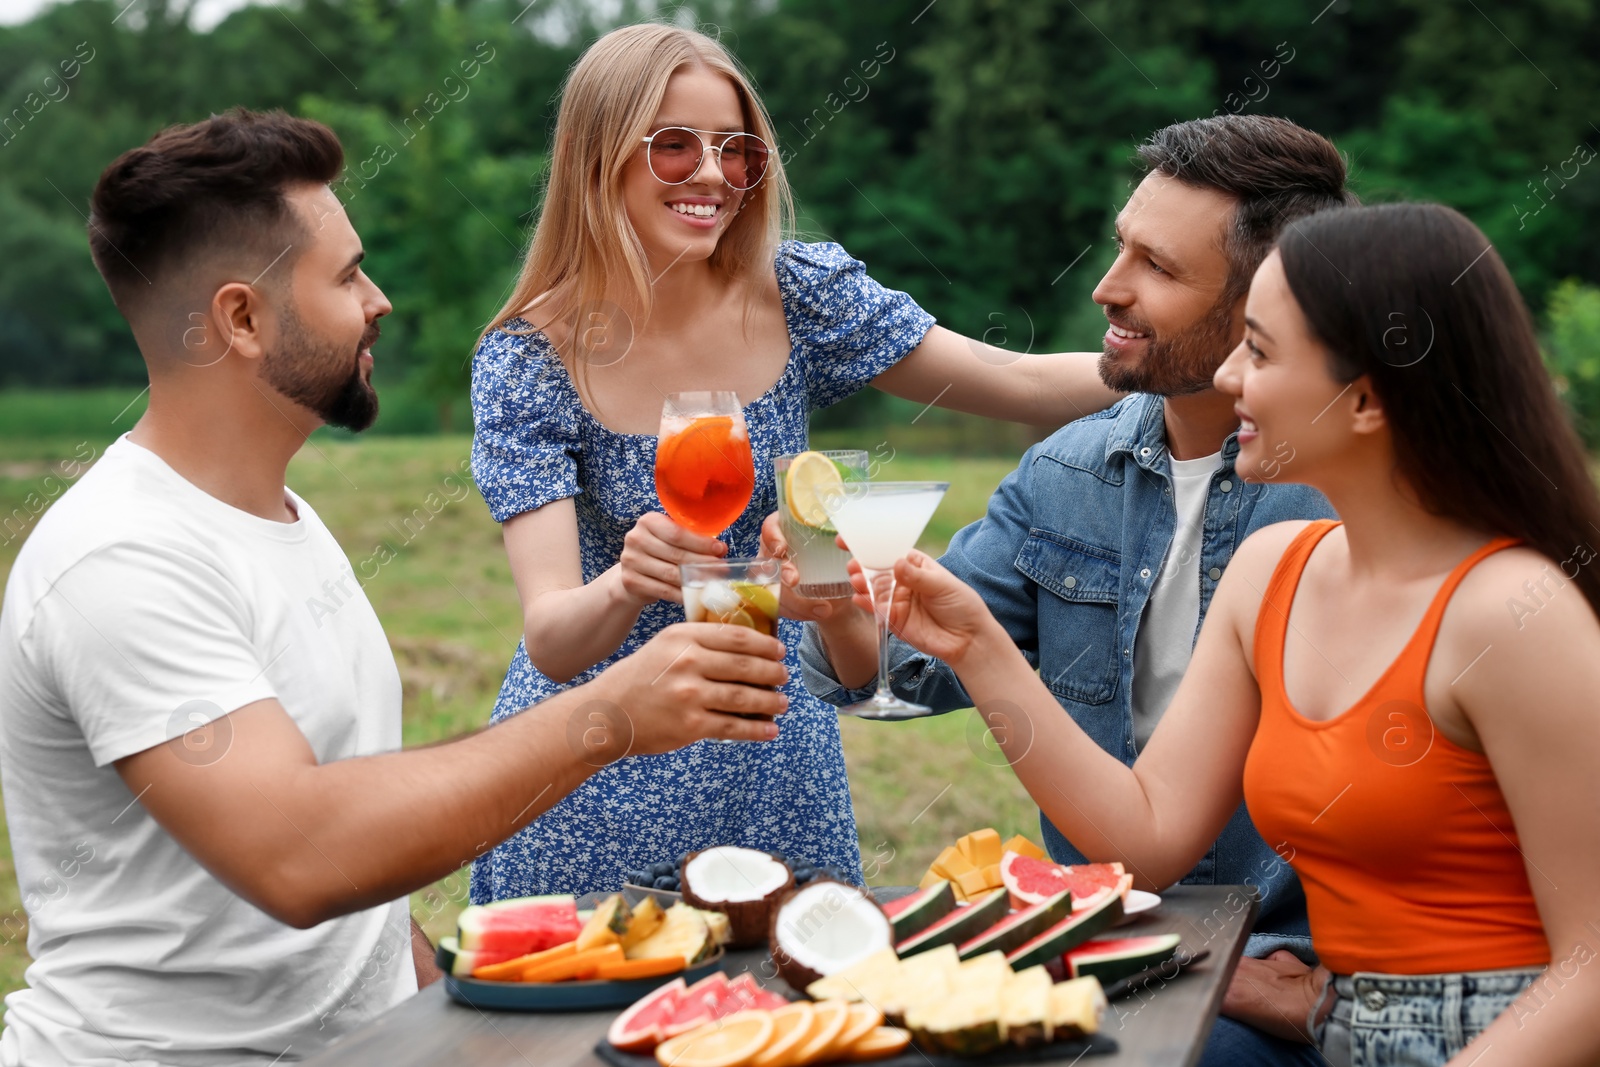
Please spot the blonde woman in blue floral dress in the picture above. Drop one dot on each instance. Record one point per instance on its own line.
(642, 282)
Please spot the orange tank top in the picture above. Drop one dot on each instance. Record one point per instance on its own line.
(1400, 837)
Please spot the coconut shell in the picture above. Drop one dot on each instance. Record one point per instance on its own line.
(792, 971)
(750, 920)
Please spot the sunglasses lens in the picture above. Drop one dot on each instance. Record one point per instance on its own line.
(744, 160)
(674, 155)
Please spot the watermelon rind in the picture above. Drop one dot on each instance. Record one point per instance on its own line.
(1018, 927)
(1121, 957)
(957, 926)
(914, 913)
(1070, 931)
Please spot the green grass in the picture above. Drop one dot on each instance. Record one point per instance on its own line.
(450, 609)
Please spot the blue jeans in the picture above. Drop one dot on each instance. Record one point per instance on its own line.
(1236, 1044)
(1383, 1020)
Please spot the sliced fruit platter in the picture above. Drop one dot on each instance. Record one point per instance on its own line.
(993, 978)
(542, 953)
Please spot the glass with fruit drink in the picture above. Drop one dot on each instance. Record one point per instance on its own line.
(881, 522)
(804, 482)
(738, 592)
(704, 473)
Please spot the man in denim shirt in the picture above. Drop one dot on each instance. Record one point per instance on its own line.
(1100, 552)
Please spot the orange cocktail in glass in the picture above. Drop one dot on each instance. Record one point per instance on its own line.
(704, 473)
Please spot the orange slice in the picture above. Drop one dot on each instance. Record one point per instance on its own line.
(862, 1020)
(791, 1025)
(730, 1042)
(511, 970)
(879, 1044)
(831, 1016)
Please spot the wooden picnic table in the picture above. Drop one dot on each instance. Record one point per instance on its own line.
(1165, 1024)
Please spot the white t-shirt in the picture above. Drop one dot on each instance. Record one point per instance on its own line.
(1167, 629)
(139, 609)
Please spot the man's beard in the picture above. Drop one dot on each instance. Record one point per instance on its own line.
(308, 370)
(1177, 366)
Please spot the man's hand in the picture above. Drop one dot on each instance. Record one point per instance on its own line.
(680, 687)
(1275, 994)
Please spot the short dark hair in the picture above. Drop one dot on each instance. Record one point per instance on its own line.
(216, 184)
(1277, 171)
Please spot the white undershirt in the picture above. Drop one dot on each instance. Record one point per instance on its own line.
(1166, 630)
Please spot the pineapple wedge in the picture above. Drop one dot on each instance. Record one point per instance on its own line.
(683, 932)
(1025, 1008)
(1076, 1008)
(646, 919)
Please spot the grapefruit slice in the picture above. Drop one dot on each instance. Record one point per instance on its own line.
(1029, 880)
(729, 1042)
(638, 1029)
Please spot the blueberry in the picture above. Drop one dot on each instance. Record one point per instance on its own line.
(660, 870)
(831, 872)
(804, 874)
(667, 882)
(677, 883)
(639, 878)
(682, 860)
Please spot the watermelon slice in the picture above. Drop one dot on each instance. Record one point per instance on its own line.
(452, 959)
(961, 924)
(1030, 880)
(639, 1028)
(1018, 927)
(1074, 929)
(1115, 958)
(915, 912)
(519, 926)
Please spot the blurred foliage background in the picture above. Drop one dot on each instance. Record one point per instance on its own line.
(972, 152)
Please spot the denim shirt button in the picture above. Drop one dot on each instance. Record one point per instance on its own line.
(1225, 485)
(1375, 1000)
(1144, 451)
(1145, 573)
(1214, 573)
(1126, 653)
(1069, 581)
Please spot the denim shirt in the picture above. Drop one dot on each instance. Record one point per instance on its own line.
(1066, 559)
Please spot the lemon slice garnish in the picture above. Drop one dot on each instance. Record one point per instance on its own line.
(812, 479)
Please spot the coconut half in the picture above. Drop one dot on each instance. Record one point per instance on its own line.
(823, 928)
(742, 883)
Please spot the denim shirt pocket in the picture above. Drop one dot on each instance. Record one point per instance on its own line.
(1078, 625)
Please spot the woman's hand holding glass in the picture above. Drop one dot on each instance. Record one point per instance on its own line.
(651, 553)
(932, 610)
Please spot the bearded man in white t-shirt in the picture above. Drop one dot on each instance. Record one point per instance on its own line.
(209, 810)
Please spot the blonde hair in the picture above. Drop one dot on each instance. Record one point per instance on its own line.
(584, 250)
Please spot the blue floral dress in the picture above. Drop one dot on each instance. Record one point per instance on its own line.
(534, 443)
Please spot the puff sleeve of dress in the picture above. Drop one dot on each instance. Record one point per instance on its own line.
(525, 441)
(849, 328)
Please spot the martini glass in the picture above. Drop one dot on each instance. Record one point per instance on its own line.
(881, 522)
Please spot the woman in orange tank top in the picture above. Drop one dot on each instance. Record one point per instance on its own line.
(1405, 697)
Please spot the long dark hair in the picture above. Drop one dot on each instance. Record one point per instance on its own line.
(1415, 297)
